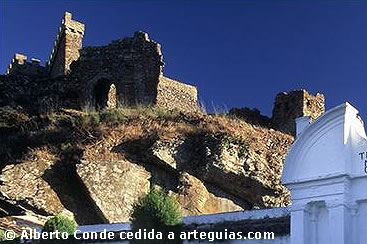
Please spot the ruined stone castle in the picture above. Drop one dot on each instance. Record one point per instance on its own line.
(124, 72)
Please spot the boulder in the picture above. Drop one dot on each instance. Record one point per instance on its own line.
(114, 186)
(24, 184)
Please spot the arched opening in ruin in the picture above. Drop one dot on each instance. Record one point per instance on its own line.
(105, 94)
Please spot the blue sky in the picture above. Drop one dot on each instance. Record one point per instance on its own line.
(238, 53)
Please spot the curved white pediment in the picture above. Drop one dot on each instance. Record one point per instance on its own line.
(333, 145)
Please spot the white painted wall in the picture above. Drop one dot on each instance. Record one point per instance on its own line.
(325, 171)
(236, 216)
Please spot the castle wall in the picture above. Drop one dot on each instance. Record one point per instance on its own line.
(289, 106)
(56, 65)
(19, 65)
(67, 45)
(133, 65)
(176, 95)
(74, 32)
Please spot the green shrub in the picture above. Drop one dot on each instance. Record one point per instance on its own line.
(81, 121)
(92, 120)
(162, 113)
(64, 120)
(12, 118)
(157, 211)
(60, 223)
(2, 235)
(114, 116)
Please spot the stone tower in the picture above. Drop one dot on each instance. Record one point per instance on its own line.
(67, 45)
(289, 106)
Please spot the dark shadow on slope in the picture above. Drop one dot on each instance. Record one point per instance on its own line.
(63, 179)
(7, 209)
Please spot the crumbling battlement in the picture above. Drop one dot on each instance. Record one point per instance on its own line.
(66, 47)
(19, 65)
(289, 106)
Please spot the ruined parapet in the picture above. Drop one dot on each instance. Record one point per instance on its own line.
(289, 106)
(19, 65)
(67, 45)
(176, 95)
(19, 59)
(133, 65)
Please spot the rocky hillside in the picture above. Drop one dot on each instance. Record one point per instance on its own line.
(97, 164)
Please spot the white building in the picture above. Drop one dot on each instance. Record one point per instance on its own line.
(326, 172)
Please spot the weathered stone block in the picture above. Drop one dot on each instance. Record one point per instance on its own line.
(114, 186)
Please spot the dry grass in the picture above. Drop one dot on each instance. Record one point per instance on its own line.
(140, 125)
(11, 118)
(96, 133)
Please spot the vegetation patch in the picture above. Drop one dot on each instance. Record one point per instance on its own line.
(157, 211)
(12, 118)
(60, 223)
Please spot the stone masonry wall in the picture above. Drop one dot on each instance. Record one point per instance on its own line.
(176, 95)
(132, 64)
(67, 45)
(289, 106)
(19, 65)
(56, 65)
(74, 32)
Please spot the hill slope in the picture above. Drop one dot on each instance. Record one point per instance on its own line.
(97, 164)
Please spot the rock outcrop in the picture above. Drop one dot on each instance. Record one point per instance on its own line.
(231, 164)
(24, 183)
(97, 165)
